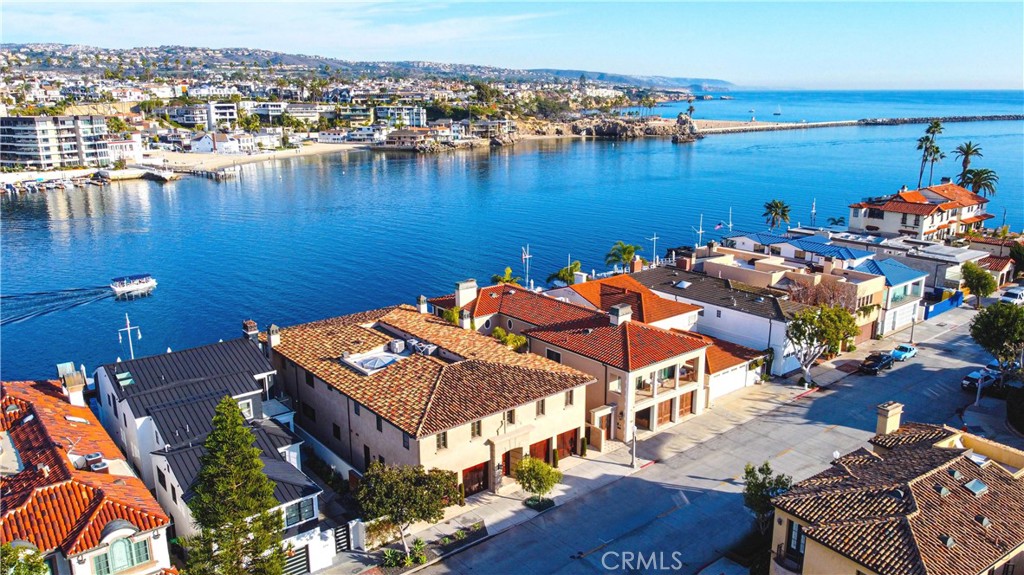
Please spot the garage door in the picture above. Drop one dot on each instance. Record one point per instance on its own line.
(727, 382)
(865, 332)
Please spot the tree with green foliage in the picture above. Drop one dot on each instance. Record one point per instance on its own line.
(116, 125)
(926, 144)
(513, 341)
(232, 504)
(621, 254)
(535, 476)
(776, 212)
(406, 494)
(506, 278)
(999, 329)
(21, 561)
(981, 181)
(451, 315)
(935, 155)
(760, 484)
(566, 275)
(965, 152)
(817, 330)
(840, 221)
(1017, 255)
(978, 281)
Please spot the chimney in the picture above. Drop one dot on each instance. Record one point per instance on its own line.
(945, 180)
(465, 292)
(621, 313)
(273, 336)
(636, 265)
(465, 319)
(579, 277)
(73, 385)
(421, 304)
(888, 417)
(251, 331)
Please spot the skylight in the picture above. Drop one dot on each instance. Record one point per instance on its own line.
(977, 487)
(124, 378)
(77, 419)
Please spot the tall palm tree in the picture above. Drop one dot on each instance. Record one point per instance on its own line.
(965, 152)
(934, 155)
(690, 110)
(566, 275)
(506, 278)
(622, 253)
(840, 221)
(775, 213)
(981, 181)
(924, 144)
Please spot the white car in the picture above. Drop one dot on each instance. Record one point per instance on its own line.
(1014, 296)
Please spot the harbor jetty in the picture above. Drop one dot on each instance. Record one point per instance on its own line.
(712, 127)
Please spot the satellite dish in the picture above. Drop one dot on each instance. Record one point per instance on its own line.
(835, 455)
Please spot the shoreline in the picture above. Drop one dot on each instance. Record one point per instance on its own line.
(180, 161)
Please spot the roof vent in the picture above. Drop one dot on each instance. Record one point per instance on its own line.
(955, 474)
(947, 540)
(100, 467)
(588, 331)
(511, 292)
(11, 408)
(759, 299)
(984, 521)
(896, 494)
(977, 487)
(494, 295)
(941, 490)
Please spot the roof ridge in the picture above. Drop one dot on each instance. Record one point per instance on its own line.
(626, 356)
(433, 393)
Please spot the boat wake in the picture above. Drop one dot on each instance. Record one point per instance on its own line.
(16, 308)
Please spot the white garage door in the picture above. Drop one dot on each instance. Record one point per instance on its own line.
(728, 381)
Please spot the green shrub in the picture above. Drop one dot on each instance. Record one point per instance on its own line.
(583, 447)
(445, 540)
(392, 558)
(459, 535)
(554, 458)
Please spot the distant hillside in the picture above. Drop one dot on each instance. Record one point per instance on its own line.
(80, 58)
(643, 81)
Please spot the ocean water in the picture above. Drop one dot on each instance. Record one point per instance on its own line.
(305, 238)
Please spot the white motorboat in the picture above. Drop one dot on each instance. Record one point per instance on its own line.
(140, 284)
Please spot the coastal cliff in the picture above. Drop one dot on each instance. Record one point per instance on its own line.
(681, 130)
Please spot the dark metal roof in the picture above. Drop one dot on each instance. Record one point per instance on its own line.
(720, 292)
(275, 436)
(290, 484)
(226, 357)
(187, 421)
(143, 400)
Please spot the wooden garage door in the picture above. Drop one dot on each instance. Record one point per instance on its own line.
(686, 404)
(541, 450)
(567, 443)
(475, 478)
(665, 412)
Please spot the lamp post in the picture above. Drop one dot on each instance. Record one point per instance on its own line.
(632, 462)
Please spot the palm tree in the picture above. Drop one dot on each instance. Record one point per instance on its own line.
(925, 143)
(506, 278)
(981, 181)
(690, 110)
(775, 213)
(840, 221)
(965, 152)
(622, 253)
(567, 274)
(934, 155)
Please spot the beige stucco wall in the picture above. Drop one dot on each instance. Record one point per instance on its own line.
(820, 560)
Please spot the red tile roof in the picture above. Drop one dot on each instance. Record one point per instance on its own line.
(50, 503)
(995, 263)
(629, 346)
(955, 193)
(908, 208)
(980, 218)
(892, 512)
(647, 306)
(723, 354)
(519, 303)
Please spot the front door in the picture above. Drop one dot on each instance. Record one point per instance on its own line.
(664, 412)
(541, 450)
(366, 458)
(475, 478)
(605, 423)
(686, 404)
(567, 443)
(643, 419)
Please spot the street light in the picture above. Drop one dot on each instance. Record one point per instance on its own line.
(632, 462)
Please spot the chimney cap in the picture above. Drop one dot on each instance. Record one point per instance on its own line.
(249, 326)
(621, 309)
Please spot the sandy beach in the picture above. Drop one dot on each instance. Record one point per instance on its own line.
(194, 161)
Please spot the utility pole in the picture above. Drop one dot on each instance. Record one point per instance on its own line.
(128, 327)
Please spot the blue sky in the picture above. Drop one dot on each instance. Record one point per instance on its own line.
(834, 45)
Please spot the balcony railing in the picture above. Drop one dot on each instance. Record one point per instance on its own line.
(782, 564)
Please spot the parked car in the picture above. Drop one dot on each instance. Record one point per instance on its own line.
(903, 352)
(1014, 295)
(983, 377)
(876, 362)
(999, 369)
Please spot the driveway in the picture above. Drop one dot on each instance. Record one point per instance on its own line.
(688, 508)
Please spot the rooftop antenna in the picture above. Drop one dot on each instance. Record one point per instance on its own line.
(730, 220)
(814, 211)
(526, 262)
(128, 327)
(699, 231)
(655, 240)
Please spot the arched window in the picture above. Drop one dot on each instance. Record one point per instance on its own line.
(510, 324)
(487, 324)
(121, 555)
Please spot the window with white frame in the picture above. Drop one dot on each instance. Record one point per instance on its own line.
(122, 555)
(246, 406)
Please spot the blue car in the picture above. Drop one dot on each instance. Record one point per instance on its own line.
(903, 352)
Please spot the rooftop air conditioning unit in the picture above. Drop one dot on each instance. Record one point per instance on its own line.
(100, 467)
(427, 349)
(397, 346)
(93, 458)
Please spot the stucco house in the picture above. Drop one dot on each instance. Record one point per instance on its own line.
(933, 212)
(904, 288)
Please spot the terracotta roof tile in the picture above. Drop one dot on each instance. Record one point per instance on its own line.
(647, 306)
(424, 394)
(722, 354)
(50, 503)
(519, 303)
(995, 263)
(628, 346)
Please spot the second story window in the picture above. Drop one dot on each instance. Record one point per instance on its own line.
(309, 379)
(123, 554)
(442, 440)
(246, 407)
(569, 397)
(355, 407)
(308, 411)
(380, 424)
(476, 428)
(554, 356)
(540, 408)
(405, 440)
(510, 416)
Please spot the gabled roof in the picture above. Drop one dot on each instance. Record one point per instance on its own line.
(628, 346)
(895, 272)
(476, 377)
(646, 305)
(892, 512)
(955, 193)
(815, 246)
(218, 359)
(519, 303)
(49, 502)
(996, 263)
(722, 354)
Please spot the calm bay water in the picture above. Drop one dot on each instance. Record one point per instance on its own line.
(301, 239)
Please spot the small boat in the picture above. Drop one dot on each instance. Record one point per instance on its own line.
(750, 111)
(130, 286)
(778, 111)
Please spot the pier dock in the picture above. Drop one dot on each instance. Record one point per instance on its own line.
(711, 127)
